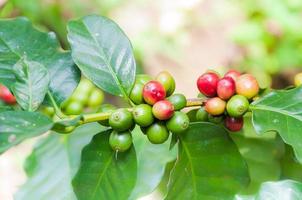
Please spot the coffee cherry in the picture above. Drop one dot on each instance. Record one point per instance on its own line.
(121, 120)
(234, 74)
(6, 95)
(215, 119)
(163, 110)
(153, 92)
(120, 142)
(201, 115)
(136, 94)
(80, 97)
(142, 115)
(178, 123)
(74, 108)
(207, 84)
(237, 106)
(167, 80)
(215, 106)
(142, 78)
(85, 86)
(157, 133)
(298, 79)
(47, 110)
(226, 88)
(106, 108)
(96, 98)
(179, 101)
(247, 85)
(234, 124)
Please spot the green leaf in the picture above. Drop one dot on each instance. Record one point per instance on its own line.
(105, 174)
(103, 53)
(281, 111)
(209, 165)
(31, 84)
(18, 38)
(53, 163)
(151, 162)
(16, 126)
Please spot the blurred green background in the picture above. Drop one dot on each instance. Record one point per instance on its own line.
(185, 37)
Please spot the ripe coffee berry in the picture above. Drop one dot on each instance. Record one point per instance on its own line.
(121, 120)
(179, 101)
(234, 124)
(247, 85)
(6, 95)
(207, 84)
(153, 92)
(201, 115)
(237, 106)
(215, 106)
(120, 142)
(226, 88)
(163, 110)
(167, 80)
(157, 133)
(142, 115)
(178, 123)
(136, 94)
(234, 74)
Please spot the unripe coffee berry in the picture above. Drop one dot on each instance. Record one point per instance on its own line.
(163, 110)
(142, 115)
(121, 120)
(96, 98)
(207, 84)
(234, 124)
(142, 78)
(298, 79)
(237, 106)
(74, 108)
(247, 85)
(215, 119)
(178, 123)
(179, 101)
(167, 80)
(234, 74)
(157, 133)
(201, 115)
(6, 95)
(120, 142)
(215, 106)
(136, 94)
(226, 88)
(153, 92)
(106, 108)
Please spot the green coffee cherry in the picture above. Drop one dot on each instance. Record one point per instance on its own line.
(179, 101)
(85, 86)
(96, 98)
(178, 123)
(215, 119)
(201, 115)
(157, 133)
(74, 108)
(80, 97)
(121, 120)
(237, 106)
(143, 78)
(106, 108)
(49, 111)
(167, 80)
(142, 115)
(192, 115)
(136, 94)
(120, 142)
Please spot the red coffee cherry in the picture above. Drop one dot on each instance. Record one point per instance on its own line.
(247, 85)
(207, 84)
(226, 88)
(163, 110)
(6, 95)
(153, 92)
(234, 74)
(215, 106)
(233, 124)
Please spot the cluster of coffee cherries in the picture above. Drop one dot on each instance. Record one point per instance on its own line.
(157, 112)
(228, 97)
(6, 96)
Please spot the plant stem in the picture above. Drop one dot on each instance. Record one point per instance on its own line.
(57, 109)
(195, 102)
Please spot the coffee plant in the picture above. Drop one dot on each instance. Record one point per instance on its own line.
(234, 140)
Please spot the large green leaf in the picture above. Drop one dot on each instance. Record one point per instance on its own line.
(208, 166)
(31, 84)
(105, 174)
(18, 38)
(53, 163)
(16, 126)
(281, 111)
(103, 53)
